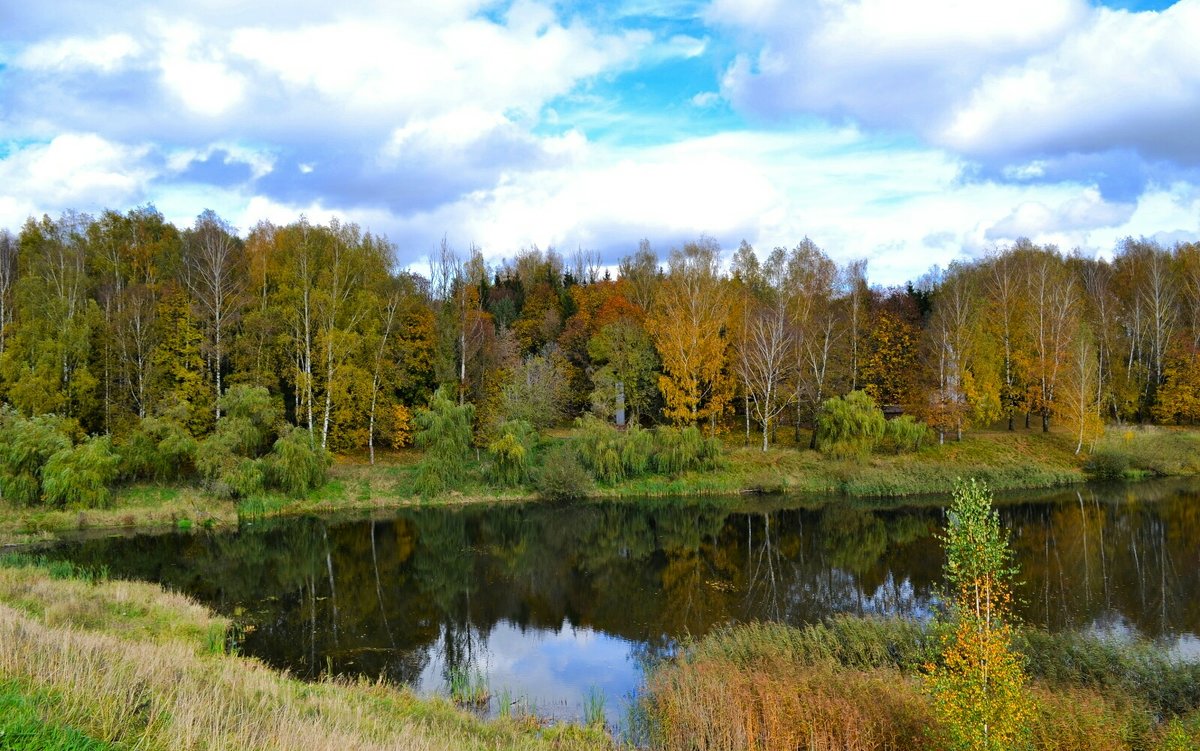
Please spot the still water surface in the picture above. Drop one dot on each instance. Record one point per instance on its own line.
(555, 603)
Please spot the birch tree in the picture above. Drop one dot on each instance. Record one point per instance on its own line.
(687, 325)
(214, 278)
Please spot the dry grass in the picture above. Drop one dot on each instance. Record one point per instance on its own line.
(709, 707)
(133, 665)
(841, 686)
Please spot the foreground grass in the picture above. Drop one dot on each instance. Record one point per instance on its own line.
(85, 663)
(854, 684)
(1006, 461)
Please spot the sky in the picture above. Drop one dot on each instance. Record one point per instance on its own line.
(910, 133)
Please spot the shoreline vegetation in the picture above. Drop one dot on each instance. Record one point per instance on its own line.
(88, 663)
(1005, 460)
(92, 663)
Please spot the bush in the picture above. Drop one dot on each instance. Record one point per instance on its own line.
(26, 444)
(250, 419)
(79, 476)
(679, 450)
(905, 433)
(613, 455)
(562, 477)
(1107, 464)
(511, 452)
(849, 426)
(226, 473)
(296, 464)
(159, 449)
(444, 431)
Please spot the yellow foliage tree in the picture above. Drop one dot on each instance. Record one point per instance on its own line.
(978, 687)
(688, 326)
(1178, 398)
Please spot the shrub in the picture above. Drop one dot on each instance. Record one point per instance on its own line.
(296, 464)
(444, 431)
(849, 426)
(1107, 464)
(226, 473)
(159, 449)
(682, 449)
(905, 433)
(26, 444)
(511, 452)
(599, 445)
(250, 419)
(612, 455)
(562, 477)
(79, 476)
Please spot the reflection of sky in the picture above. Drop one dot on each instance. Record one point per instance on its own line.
(550, 672)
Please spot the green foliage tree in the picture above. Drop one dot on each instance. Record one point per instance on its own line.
(849, 426)
(160, 448)
(228, 460)
(562, 477)
(444, 431)
(978, 687)
(905, 433)
(538, 391)
(26, 444)
(296, 464)
(625, 354)
(511, 452)
(80, 476)
(682, 449)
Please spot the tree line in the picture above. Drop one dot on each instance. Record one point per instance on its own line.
(116, 319)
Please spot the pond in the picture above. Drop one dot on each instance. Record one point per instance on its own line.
(558, 605)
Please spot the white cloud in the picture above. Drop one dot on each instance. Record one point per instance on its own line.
(1087, 211)
(396, 65)
(106, 53)
(261, 162)
(194, 68)
(74, 170)
(1014, 80)
(1121, 80)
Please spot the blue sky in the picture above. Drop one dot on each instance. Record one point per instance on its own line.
(908, 133)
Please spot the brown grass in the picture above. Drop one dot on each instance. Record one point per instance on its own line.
(129, 664)
(770, 687)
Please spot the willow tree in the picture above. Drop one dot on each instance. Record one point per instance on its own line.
(688, 326)
(978, 686)
(444, 431)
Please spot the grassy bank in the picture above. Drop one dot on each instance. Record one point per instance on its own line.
(854, 684)
(88, 663)
(1007, 461)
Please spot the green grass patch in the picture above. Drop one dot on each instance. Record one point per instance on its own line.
(22, 727)
(56, 569)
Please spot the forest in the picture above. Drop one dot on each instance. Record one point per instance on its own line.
(122, 330)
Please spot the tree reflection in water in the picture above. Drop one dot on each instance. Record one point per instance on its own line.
(413, 595)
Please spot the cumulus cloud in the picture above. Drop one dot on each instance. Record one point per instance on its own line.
(1087, 211)
(1001, 82)
(79, 170)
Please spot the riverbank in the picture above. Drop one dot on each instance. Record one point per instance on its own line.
(1007, 461)
(89, 663)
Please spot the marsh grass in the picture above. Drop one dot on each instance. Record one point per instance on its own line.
(468, 686)
(853, 684)
(593, 707)
(131, 665)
